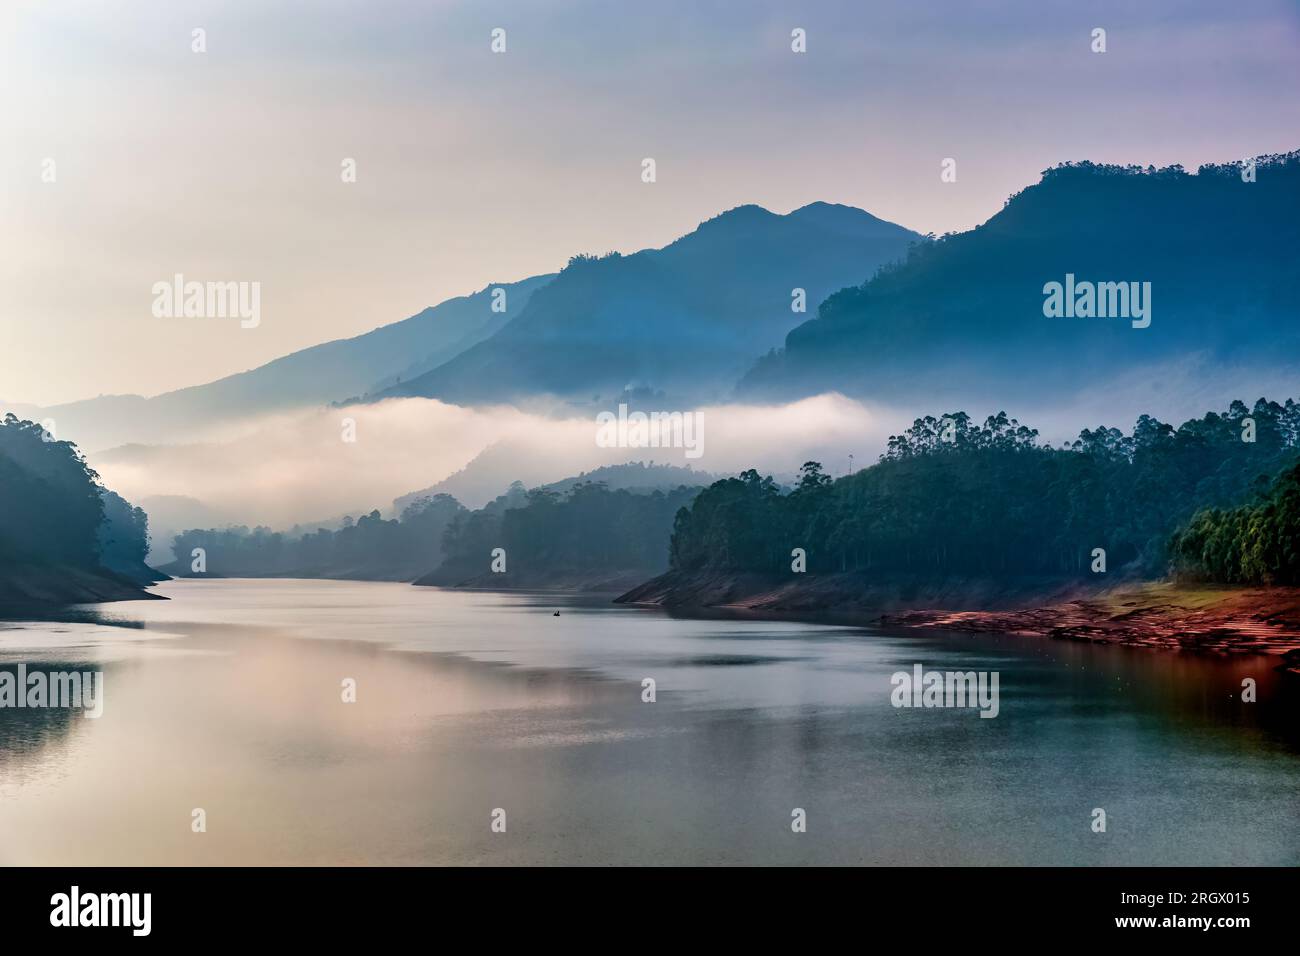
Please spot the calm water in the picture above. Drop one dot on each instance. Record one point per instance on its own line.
(228, 698)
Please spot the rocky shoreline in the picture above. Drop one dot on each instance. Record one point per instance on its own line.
(1160, 615)
(53, 586)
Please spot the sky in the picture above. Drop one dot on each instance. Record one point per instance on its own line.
(474, 167)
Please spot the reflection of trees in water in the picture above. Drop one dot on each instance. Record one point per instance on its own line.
(26, 733)
(17, 615)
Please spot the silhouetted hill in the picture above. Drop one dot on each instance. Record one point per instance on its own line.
(964, 315)
(635, 476)
(64, 538)
(687, 319)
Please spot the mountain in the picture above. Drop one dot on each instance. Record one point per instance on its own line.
(964, 317)
(637, 477)
(686, 319)
(495, 467)
(313, 376)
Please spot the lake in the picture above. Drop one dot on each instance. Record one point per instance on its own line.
(229, 698)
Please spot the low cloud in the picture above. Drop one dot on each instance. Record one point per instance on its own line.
(299, 468)
(290, 469)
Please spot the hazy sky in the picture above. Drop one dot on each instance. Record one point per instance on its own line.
(474, 167)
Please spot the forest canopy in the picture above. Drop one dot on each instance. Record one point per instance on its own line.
(369, 548)
(577, 526)
(951, 496)
(589, 529)
(56, 512)
(1256, 543)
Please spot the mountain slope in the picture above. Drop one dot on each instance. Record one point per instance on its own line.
(686, 319)
(311, 376)
(1222, 257)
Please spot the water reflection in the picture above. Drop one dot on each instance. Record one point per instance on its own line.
(228, 698)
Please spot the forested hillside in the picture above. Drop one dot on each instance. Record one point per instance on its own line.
(964, 315)
(588, 536)
(952, 497)
(63, 537)
(687, 319)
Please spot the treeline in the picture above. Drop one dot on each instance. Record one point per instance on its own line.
(550, 535)
(1257, 543)
(369, 548)
(546, 534)
(56, 513)
(123, 538)
(950, 496)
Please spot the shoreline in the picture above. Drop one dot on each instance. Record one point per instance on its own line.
(1159, 615)
(54, 586)
(610, 580)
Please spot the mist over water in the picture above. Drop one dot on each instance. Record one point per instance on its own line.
(227, 698)
(296, 467)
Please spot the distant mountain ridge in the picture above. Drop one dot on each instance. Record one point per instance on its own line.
(1220, 251)
(317, 375)
(687, 319)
